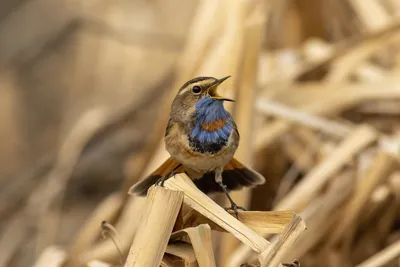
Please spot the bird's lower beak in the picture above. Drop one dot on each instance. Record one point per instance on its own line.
(212, 90)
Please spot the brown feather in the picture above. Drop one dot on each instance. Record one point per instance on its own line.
(235, 176)
(141, 187)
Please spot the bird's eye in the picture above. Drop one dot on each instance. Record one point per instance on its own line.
(196, 89)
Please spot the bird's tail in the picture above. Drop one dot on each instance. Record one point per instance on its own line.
(234, 177)
(141, 187)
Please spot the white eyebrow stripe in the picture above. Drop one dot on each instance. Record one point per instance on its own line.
(183, 90)
(189, 87)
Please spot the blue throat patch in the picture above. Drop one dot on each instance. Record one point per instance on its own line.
(209, 110)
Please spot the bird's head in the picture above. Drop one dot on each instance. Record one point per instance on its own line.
(192, 93)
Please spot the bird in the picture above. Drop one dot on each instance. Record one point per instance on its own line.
(202, 138)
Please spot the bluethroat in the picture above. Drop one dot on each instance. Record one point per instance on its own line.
(202, 138)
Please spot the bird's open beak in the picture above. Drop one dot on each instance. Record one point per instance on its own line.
(212, 90)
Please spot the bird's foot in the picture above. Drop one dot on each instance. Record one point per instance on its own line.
(235, 208)
(295, 263)
(161, 181)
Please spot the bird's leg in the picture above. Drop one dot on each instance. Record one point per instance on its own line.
(218, 179)
(295, 263)
(162, 179)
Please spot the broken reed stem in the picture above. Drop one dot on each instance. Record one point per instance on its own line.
(262, 222)
(274, 254)
(155, 228)
(203, 204)
(183, 251)
(200, 238)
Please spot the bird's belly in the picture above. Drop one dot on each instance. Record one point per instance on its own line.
(183, 153)
(204, 162)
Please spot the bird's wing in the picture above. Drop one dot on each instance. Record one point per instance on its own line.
(235, 176)
(141, 187)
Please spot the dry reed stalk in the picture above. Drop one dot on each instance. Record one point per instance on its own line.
(310, 138)
(200, 238)
(316, 222)
(387, 218)
(298, 153)
(224, 57)
(321, 211)
(273, 256)
(380, 198)
(394, 6)
(343, 66)
(13, 235)
(244, 107)
(96, 263)
(168, 261)
(394, 183)
(50, 194)
(371, 9)
(329, 102)
(370, 73)
(377, 173)
(126, 225)
(261, 222)
(287, 182)
(383, 257)
(309, 187)
(207, 17)
(18, 189)
(105, 211)
(332, 128)
(183, 251)
(342, 50)
(314, 144)
(380, 108)
(268, 133)
(156, 225)
(51, 257)
(306, 190)
(208, 208)
(316, 50)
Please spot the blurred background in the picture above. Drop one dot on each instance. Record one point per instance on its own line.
(86, 87)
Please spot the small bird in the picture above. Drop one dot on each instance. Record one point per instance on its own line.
(202, 138)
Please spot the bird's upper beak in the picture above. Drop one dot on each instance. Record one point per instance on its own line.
(212, 90)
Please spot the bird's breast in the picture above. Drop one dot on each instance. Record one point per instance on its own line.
(199, 155)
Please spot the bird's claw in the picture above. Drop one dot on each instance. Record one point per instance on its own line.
(161, 181)
(235, 208)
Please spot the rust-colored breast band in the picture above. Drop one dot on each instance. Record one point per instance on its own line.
(213, 126)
